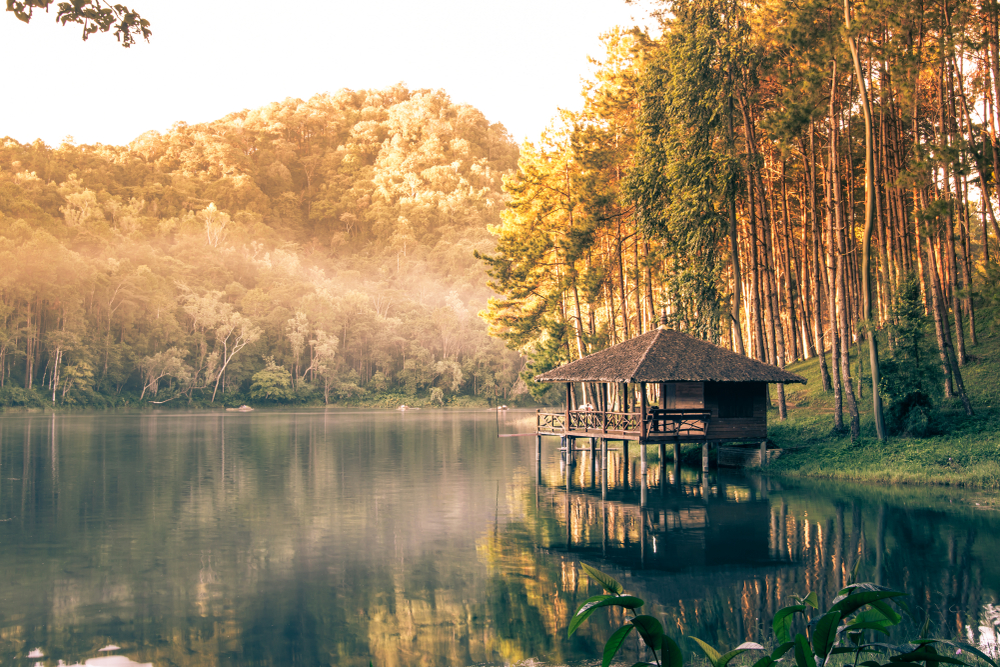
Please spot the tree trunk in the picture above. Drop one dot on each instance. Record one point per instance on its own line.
(817, 275)
(866, 253)
(784, 240)
(579, 328)
(842, 294)
(650, 304)
(734, 255)
(936, 306)
(734, 250)
(832, 284)
(759, 347)
(777, 333)
(947, 351)
(621, 282)
(638, 289)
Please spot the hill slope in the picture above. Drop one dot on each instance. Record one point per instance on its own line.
(328, 243)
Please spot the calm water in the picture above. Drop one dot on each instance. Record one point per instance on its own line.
(334, 537)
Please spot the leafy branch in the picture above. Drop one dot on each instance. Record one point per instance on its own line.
(93, 15)
(858, 609)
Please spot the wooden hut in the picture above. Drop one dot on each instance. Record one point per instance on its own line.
(671, 387)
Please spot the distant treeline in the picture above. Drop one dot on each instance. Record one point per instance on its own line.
(318, 250)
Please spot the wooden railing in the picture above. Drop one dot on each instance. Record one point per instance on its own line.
(677, 423)
(550, 422)
(659, 423)
(589, 421)
(623, 422)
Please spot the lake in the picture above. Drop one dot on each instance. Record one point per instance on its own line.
(421, 538)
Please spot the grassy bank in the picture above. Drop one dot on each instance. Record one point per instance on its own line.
(966, 451)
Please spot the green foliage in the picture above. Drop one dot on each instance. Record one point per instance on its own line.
(273, 383)
(911, 374)
(93, 15)
(13, 396)
(569, 245)
(437, 396)
(687, 167)
(856, 611)
(989, 296)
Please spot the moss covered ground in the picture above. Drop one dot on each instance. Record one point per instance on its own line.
(964, 451)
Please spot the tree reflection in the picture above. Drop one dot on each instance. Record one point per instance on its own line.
(313, 538)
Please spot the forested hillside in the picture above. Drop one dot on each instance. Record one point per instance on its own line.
(317, 250)
(782, 179)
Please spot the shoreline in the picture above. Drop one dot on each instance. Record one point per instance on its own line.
(961, 451)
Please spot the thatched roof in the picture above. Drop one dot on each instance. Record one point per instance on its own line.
(665, 355)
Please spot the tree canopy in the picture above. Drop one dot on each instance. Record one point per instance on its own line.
(772, 177)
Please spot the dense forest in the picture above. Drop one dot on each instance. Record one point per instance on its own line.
(784, 179)
(316, 250)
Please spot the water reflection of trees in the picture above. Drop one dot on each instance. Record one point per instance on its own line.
(716, 556)
(280, 540)
(200, 541)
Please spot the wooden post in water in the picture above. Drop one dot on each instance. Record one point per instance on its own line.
(642, 473)
(763, 453)
(538, 459)
(569, 462)
(604, 473)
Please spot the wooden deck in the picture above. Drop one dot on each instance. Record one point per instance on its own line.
(685, 425)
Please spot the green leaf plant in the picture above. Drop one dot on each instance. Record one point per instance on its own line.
(846, 631)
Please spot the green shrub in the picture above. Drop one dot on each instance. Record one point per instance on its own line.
(273, 383)
(911, 374)
(13, 396)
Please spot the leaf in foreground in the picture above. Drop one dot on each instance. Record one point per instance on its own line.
(615, 643)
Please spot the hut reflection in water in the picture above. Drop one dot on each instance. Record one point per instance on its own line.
(721, 553)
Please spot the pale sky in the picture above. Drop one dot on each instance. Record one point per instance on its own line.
(517, 61)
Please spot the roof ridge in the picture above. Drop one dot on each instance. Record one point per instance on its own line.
(642, 359)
